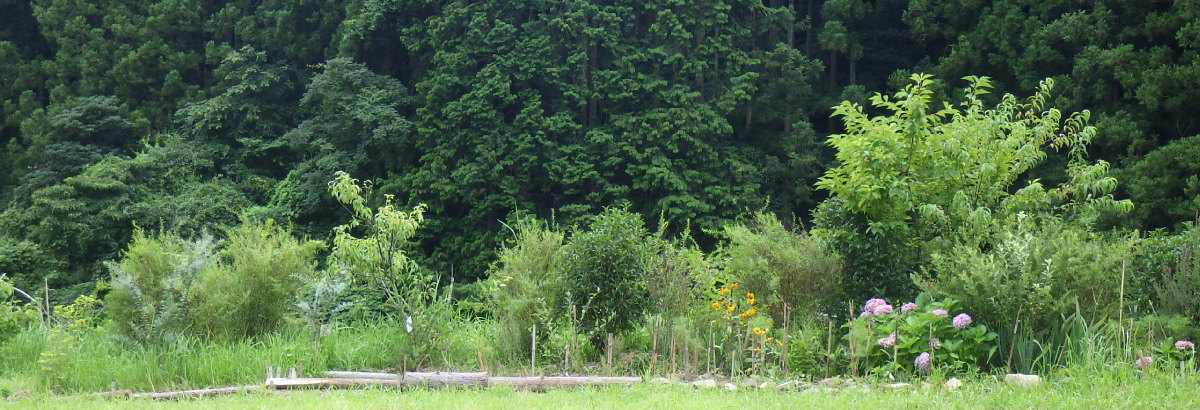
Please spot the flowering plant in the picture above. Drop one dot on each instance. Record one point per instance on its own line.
(919, 335)
(1177, 350)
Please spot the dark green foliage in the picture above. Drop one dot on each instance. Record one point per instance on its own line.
(603, 273)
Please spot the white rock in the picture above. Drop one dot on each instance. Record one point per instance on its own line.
(1023, 380)
(660, 380)
(705, 384)
(730, 386)
(767, 385)
(897, 385)
(953, 383)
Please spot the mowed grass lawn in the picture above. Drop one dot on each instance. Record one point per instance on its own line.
(986, 393)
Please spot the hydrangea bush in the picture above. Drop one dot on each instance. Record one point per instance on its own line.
(918, 336)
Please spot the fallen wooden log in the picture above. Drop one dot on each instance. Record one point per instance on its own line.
(544, 383)
(280, 383)
(445, 379)
(167, 395)
(360, 375)
(113, 393)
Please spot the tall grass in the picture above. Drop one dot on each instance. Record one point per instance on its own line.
(88, 360)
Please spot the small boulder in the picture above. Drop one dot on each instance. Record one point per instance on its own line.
(1023, 380)
(730, 386)
(953, 383)
(767, 385)
(705, 383)
(897, 385)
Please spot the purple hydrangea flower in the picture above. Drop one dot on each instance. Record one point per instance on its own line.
(1143, 362)
(883, 309)
(864, 313)
(1185, 345)
(872, 304)
(939, 312)
(887, 342)
(935, 344)
(922, 362)
(907, 307)
(962, 320)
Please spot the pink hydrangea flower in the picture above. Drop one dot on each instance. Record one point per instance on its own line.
(883, 309)
(887, 342)
(907, 307)
(939, 312)
(864, 313)
(1185, 345)
(872, 304)
(922, 362)
(962, 320)
(1143, 362)
(935, 344)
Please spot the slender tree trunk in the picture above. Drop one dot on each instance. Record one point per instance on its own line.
(833, 54)
(852, 70)
(792, 25)
(812, 23)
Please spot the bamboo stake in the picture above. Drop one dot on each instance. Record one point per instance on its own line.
(609, 353)
(654, 344)
(533, 350)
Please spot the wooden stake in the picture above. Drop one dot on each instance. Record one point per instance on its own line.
(1121, 304)
(482, 366)
(828, 348)
(673, 368)
(533, 350)
(654, 344)
(711, 342)
(609, 353)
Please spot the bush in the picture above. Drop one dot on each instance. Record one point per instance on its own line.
(783, 266)
(604, 273)
(1180, 286)
(149, 294)
(165, 286)
(920, 334)
(262, 268)
(1043, 268)
(525, 286)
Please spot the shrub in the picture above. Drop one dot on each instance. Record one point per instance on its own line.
(603, 273)
(1180, 286)
(149, 294)
(525, 286)
(919, 334)
(1044, 268)
(262, 268)
(783, 266)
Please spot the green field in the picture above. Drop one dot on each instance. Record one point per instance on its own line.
(1079, 392)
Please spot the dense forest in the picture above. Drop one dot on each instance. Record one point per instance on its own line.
(192, 117)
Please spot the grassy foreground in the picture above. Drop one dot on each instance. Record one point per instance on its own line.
(1081, 392)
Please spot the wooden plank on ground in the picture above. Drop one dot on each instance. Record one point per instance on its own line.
(543, 383)
(167, 395)
(446, 379)
(360, 375)
(280, 383)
